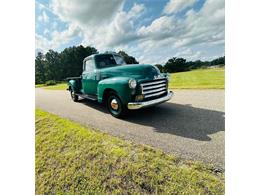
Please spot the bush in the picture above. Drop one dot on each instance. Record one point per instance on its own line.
(50, 82)
(204, 67)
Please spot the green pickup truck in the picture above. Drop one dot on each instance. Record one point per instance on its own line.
(106, 78)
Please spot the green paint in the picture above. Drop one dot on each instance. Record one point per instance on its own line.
(96, 78)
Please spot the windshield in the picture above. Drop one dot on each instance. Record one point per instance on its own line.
(107, 60)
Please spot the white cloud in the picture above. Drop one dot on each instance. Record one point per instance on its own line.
(189, 54)
(66, 35)
(57, 38)
(107, 27)
(162, 28)
(174, 6)
(185, 52)
(44, 17)
(102, 24)
(205, 27)
(41, 6)
(120, 31)
(46, 31)
(136, 10)
(42, 43)
(86, 13)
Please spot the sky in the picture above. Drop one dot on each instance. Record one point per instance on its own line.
(152, 31)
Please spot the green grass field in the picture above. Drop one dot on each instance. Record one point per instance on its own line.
(196, 79)
(199, 79)
(60, 86)
(72, 159)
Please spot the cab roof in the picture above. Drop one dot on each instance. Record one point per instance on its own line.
(97, 54)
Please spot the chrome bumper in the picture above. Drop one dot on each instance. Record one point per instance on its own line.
(138, 105)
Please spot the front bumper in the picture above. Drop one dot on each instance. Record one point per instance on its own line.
(138, 105)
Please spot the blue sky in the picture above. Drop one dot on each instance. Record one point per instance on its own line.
(151, 30)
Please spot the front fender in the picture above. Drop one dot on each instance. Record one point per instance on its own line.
(118, 84)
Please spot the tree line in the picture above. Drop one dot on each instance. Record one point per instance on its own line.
(57, 66)
(180, 64)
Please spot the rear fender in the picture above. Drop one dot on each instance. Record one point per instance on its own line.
(72, 85)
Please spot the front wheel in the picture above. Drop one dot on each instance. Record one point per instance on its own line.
(115, 106)
(73, 95)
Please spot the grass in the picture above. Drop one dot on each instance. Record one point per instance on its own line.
(72, 159)
(199, 79)
(39, 85)
(59, 86)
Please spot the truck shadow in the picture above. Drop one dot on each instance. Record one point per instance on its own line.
(177, 119)
(94, 104)
(180, 120)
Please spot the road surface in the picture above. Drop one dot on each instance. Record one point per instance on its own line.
(190, 125)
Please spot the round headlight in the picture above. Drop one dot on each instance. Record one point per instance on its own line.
(132, 83)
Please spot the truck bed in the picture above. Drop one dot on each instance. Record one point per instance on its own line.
(73, 78)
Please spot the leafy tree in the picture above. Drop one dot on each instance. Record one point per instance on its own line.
(179, 64)
(128, 59)
(72, 59)
(160, 67)
(218, 61)
(40, 68)
(176, 65)
(53, 66)
(58, 66)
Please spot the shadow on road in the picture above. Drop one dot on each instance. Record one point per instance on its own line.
(94, 104)
(177, 119)
(181, 120)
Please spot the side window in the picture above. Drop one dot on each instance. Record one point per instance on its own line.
(88, 65)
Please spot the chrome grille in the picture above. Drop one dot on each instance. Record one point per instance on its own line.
(154, 88)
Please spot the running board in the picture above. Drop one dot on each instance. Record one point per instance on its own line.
(90, 97)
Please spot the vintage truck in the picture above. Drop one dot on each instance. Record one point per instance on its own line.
(106, 78)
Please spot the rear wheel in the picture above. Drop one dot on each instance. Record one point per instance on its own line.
(73, 95)
(115, 106)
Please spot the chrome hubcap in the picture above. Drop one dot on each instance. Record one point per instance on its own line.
(114, 104)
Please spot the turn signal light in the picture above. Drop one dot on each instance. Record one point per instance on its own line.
(139, 98)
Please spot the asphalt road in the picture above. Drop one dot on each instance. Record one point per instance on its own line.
(190, 125)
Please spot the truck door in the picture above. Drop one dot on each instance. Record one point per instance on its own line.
(89, 77)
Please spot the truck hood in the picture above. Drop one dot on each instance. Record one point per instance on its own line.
(136, 71)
